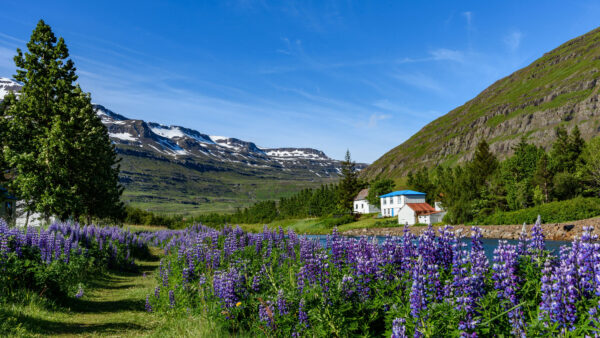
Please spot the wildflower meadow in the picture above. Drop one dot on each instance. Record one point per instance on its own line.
(437, 284)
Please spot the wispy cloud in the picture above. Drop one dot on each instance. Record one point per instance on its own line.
(442, 54)
(421, 81)
(469, 18)
(513, 40)
(376, 117)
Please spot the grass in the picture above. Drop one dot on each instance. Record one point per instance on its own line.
(170, 187)
(114, 306)
(312, 226)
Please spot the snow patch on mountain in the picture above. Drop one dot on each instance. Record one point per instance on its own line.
(7, 85)
(172, 132)
(123, 136)
(287, 154)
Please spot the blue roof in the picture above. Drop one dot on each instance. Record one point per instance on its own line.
(403, 192)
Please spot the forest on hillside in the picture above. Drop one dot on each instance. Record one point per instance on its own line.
(484, 186)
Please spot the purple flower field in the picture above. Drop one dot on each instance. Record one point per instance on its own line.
(281, 284)
(57, 261)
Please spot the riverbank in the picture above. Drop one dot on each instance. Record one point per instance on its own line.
(552, 231)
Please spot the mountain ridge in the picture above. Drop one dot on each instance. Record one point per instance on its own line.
(559, 88)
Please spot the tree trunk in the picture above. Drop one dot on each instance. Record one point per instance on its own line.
(27, 218)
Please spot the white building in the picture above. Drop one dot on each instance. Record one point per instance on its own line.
(422, 213)
(361, 205)
(392, 203)
(410, 208)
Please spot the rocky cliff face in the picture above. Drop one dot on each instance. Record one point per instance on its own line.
(560, 88)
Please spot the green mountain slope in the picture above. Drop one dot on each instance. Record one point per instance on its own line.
(561, 87)
(161, 184)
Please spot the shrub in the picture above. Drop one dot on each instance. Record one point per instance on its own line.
(56, 262)
(553, 212)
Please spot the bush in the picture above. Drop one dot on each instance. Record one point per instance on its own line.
(59, 261)
(553, 212)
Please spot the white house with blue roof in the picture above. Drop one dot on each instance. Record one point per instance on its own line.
(392, 203)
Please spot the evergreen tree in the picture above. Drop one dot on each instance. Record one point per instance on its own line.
(543, 176)
(566, 150)
(576, 147)
(421, 181)
(58, 149)
(591, 167)
(378, 188)
(349, 185)
(484, 163)
(517, 174)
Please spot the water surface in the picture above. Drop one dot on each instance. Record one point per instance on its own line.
(489, 244)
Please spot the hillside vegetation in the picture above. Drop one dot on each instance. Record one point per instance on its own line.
(560, 88)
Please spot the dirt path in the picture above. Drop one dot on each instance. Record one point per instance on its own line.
(114, 306)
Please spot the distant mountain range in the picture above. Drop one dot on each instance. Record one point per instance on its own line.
(560, 88)
(178, 169)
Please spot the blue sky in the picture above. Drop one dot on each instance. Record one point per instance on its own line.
(330, 75)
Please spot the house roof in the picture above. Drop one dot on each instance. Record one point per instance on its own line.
(362, 195)
(403, 192)
(422, 209)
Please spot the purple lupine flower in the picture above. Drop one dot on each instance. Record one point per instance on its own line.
(157, 292)
(398, 329)
(522, 246)
(537, 243)
(79, 293)
(348, 287)
(265, 313)
(424, 277)
(171, 299)
(227, 285)
(302, 315)
(148, 305)
(281, 303)
(506, 283)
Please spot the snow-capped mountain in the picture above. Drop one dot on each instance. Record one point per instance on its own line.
(7, 85)
(184, 144)
(180, 144)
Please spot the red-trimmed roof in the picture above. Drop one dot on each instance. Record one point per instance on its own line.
(422, 209)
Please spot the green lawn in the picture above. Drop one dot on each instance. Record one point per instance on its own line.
(313, 226)
(113, 307)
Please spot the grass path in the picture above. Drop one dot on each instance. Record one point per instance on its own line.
(114, 306)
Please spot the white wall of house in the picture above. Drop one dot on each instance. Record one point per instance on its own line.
(432, 218)
(406, 215)
(363, 207)
(390, 206)
(437, 217)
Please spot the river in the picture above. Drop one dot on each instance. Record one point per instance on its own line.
(489, 244)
